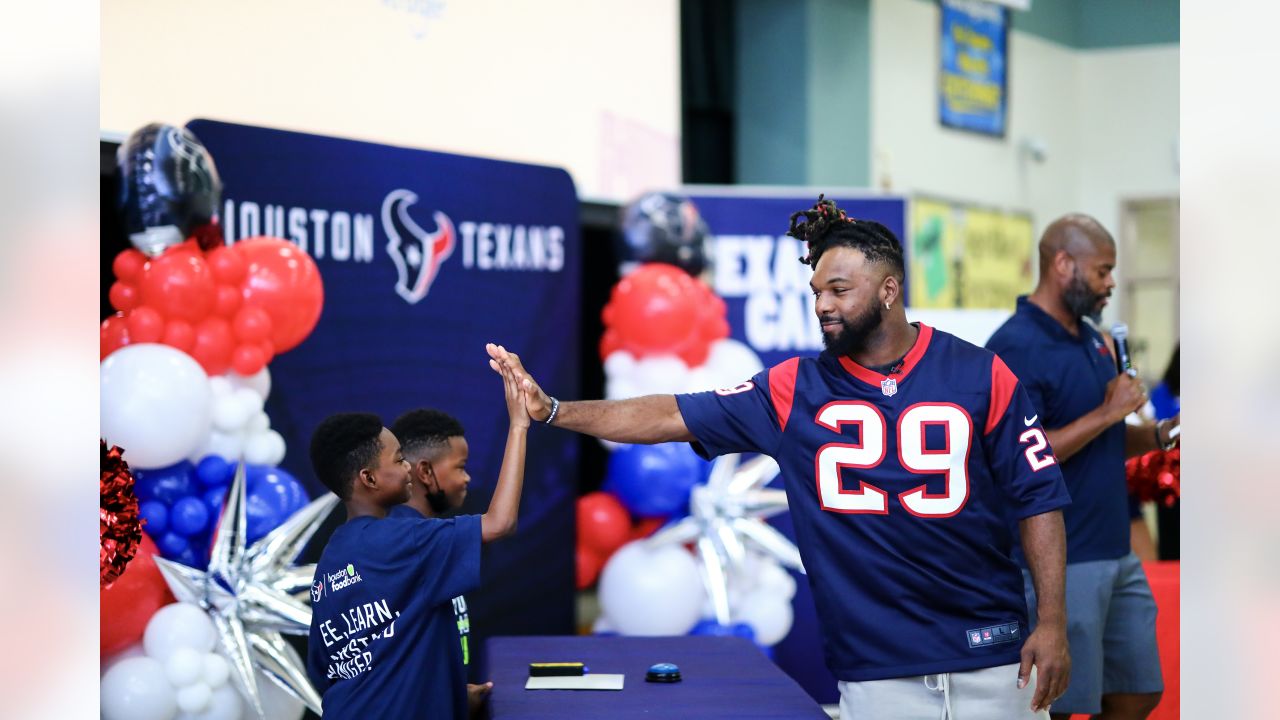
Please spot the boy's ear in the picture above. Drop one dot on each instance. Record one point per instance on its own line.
(367, 479)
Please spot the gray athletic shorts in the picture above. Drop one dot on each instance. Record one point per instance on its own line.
(986, 694)
(1111, 625)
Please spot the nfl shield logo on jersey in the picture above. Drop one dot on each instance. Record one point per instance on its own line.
(889, 387)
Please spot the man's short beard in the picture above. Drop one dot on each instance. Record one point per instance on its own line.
(1081, 301)
(853, 335)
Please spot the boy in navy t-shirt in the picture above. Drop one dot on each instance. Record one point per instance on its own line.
(383, 637)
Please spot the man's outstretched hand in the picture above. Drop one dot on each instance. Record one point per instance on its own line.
(536, 402)
(476, 695)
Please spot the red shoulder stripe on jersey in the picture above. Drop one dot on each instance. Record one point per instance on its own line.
(1003, 381)
(782, 388)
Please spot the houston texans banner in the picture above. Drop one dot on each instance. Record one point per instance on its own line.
(758, 270)
(425, 257)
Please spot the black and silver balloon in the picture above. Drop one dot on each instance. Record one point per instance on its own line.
(169, 187)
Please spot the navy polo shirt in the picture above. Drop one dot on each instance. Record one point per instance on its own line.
(1066, 377)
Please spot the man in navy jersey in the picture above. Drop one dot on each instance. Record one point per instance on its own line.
(383, 640)
(1071, 379)
(905, 451)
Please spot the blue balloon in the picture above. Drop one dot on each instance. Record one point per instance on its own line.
(189, 516)
(277, 487)
(172, 545)
(213, 499)
(655, 480)
(166, 484)
(214, 471)
(262, 515)
(709, 626)
(191, 558)
(156, 516)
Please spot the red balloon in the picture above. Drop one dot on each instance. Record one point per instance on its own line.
(268, 351)
(603, 523)
(213, 345)
(251, 325)
(128, 265)
(129, 603)
(696, 353)
(655, 310)
(587, 565)
(647, 527)
(226, 264)
(146, 325)
(180, 335)
(114, 335)
(179, 284)
(283, 280)
(226, 300)
(123, 297)
(248, 359)
(610, 343)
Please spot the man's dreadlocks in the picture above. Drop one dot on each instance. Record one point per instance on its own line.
(825, 225)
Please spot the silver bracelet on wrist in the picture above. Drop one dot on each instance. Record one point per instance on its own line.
(555, 408)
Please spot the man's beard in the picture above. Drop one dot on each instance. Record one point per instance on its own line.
(854, 333)
(1080, 300)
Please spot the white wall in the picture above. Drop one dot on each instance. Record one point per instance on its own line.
(1108, 119)
(593, 87)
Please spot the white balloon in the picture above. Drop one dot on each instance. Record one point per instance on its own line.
(732, 362)
(602, 625)
(264, 448)
(229, 446)
(184, 667)
(134, 650)
(225, 704)
(620, 363)
(700, 379)
(250, 400)
(258, 423)
(769, 615)
(178, 625)
(660, 375)
(260, 382)
(651, 590)
(229, 414)
(278, 703)
(195, 698)
(620, 388)
(216, 670)
(155, 403)
(220, 385)
(136, 689)
(774, 579)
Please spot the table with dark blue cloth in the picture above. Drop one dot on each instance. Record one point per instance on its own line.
(722, 677)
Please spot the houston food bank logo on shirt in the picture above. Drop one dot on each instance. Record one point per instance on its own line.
(341, 579)
(417, 253)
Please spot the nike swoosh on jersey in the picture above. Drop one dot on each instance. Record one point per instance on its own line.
(1029, 420)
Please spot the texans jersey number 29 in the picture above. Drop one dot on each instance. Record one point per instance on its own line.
(952, 461)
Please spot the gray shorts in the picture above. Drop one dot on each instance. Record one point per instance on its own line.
(986, 694)
(1111, 626)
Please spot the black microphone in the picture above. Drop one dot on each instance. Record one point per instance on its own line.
(1124, 362)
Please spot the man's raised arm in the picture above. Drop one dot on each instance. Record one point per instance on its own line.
(645, 420)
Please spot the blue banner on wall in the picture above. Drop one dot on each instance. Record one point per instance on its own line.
(770, 308)
(758, 270)
(973, 87)
(425, 257)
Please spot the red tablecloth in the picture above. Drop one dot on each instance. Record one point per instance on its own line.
(1163, 577)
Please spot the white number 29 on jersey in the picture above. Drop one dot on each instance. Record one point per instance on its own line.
(951, 461)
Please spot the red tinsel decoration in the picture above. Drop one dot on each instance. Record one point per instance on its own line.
(1155, 476)
(120, 529)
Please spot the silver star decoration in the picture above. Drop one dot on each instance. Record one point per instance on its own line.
(254, 593)
(726, 515)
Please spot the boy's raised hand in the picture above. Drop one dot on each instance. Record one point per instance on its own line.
(514, 394)
(536, 403)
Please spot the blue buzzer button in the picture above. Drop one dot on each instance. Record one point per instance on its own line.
(663, 673)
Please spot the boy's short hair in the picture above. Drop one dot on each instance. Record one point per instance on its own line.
(341, 446)
(425, 432)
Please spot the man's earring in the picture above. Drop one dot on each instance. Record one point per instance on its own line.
(887, 307)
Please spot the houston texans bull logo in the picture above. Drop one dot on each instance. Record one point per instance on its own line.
(416, 252)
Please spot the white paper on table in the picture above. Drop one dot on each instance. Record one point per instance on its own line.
(590, 681)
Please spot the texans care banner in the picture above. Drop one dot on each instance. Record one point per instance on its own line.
(770, 306)
(425, 257)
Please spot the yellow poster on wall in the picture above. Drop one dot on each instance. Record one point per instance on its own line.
(968, 257)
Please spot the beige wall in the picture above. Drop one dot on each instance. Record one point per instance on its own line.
(590, 86)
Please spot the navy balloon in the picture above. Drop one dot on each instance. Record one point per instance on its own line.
(169, 187)
(156, 517)
(655, 480)
(276, 486)
(166, 484)
(664, 228)
(189, 516)
(214, 471)
(262, 515)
